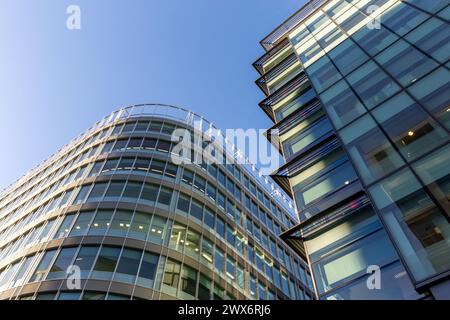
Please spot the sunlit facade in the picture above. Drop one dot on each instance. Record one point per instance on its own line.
(112, 210)
(360, 93)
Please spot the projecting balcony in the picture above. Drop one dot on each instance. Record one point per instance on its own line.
(291, 88)
(267, 61)
(280, 74)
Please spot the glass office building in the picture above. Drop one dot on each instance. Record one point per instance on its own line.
(359, 91)
(110, 216)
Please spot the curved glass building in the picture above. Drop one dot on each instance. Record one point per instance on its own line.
(110, 216)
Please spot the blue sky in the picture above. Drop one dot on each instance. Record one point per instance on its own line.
(55, 83)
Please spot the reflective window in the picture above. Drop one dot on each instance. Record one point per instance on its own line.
(342, 104)
(432, 92)
(128, 266)
(372, 84)
(433, 37)
(409, 127)
(401, 18)
(374, 40)
(59, 269)
(372, 153)
(420, 230)
(106, 263)
(147, 270)
(347, 56)
(323, 74)
(405, 63)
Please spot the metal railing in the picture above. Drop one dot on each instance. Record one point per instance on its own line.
(272, 38)
(178, 114)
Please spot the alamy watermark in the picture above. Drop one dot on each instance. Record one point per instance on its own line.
(73, 21)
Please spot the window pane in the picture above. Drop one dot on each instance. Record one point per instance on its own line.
(371, 84)
(409, 127)
(82, 224)
(374, 40)
(341, 103)
(323, 74)
(433, 37)
(127, 268)
(120, 224)
(434, 171)
(402, 18)
(148, 270)
(405, 63)
(432, 92)
(347, 56)
(85, 260)
(371, 152)
(420, 230)
(106, 263)
(101, 223)
(61, 264)
(139, 226)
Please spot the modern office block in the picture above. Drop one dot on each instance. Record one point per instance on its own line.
(360, 93)
(110, 216)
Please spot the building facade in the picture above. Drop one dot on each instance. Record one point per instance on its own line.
(110, 216)
(359, 91)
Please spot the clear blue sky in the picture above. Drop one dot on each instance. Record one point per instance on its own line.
(55, 83)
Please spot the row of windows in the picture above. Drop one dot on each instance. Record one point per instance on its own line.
(155, 167)
(142, 164)
(386, 91)
(140, 226)
(131, 266)
(154, 126)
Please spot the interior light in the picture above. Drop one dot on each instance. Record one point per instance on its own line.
(410, 133)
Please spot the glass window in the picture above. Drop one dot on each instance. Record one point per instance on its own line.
(434, 172)
(188, 282)
(128, 266)
(304, 138)
(85, 260)
(209, 218)
(196, 210)
(43, 266)
(220, 227)
(82, 224)
(295, 104)
(165, 196)
(420, 230)
(433, 37)
(149, 193)
(219, 263)
(374, 40)
(402, 18)
(132, 190)
(64, 229)
(372, 153)
(178, 237)
(409, 127)
(231, 272)
(430, 6)
(405, 63)
(395, 285)
(147, 270)
(171, 277)
(114, 191)
(192, 243)
(323, 74)
(341, 104)
(120, 223)
(432, 92)
(207, 252)
(139, 226)
(183, 203)
(157, 229)
(204, 288)
(106, 263)
(347, 56)
(371, 84)
(101, 223)
(60, 266)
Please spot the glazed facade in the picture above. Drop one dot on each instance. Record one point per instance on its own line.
(112, 206)
(360, 93)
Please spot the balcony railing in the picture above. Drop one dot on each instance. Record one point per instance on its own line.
(273, 38)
